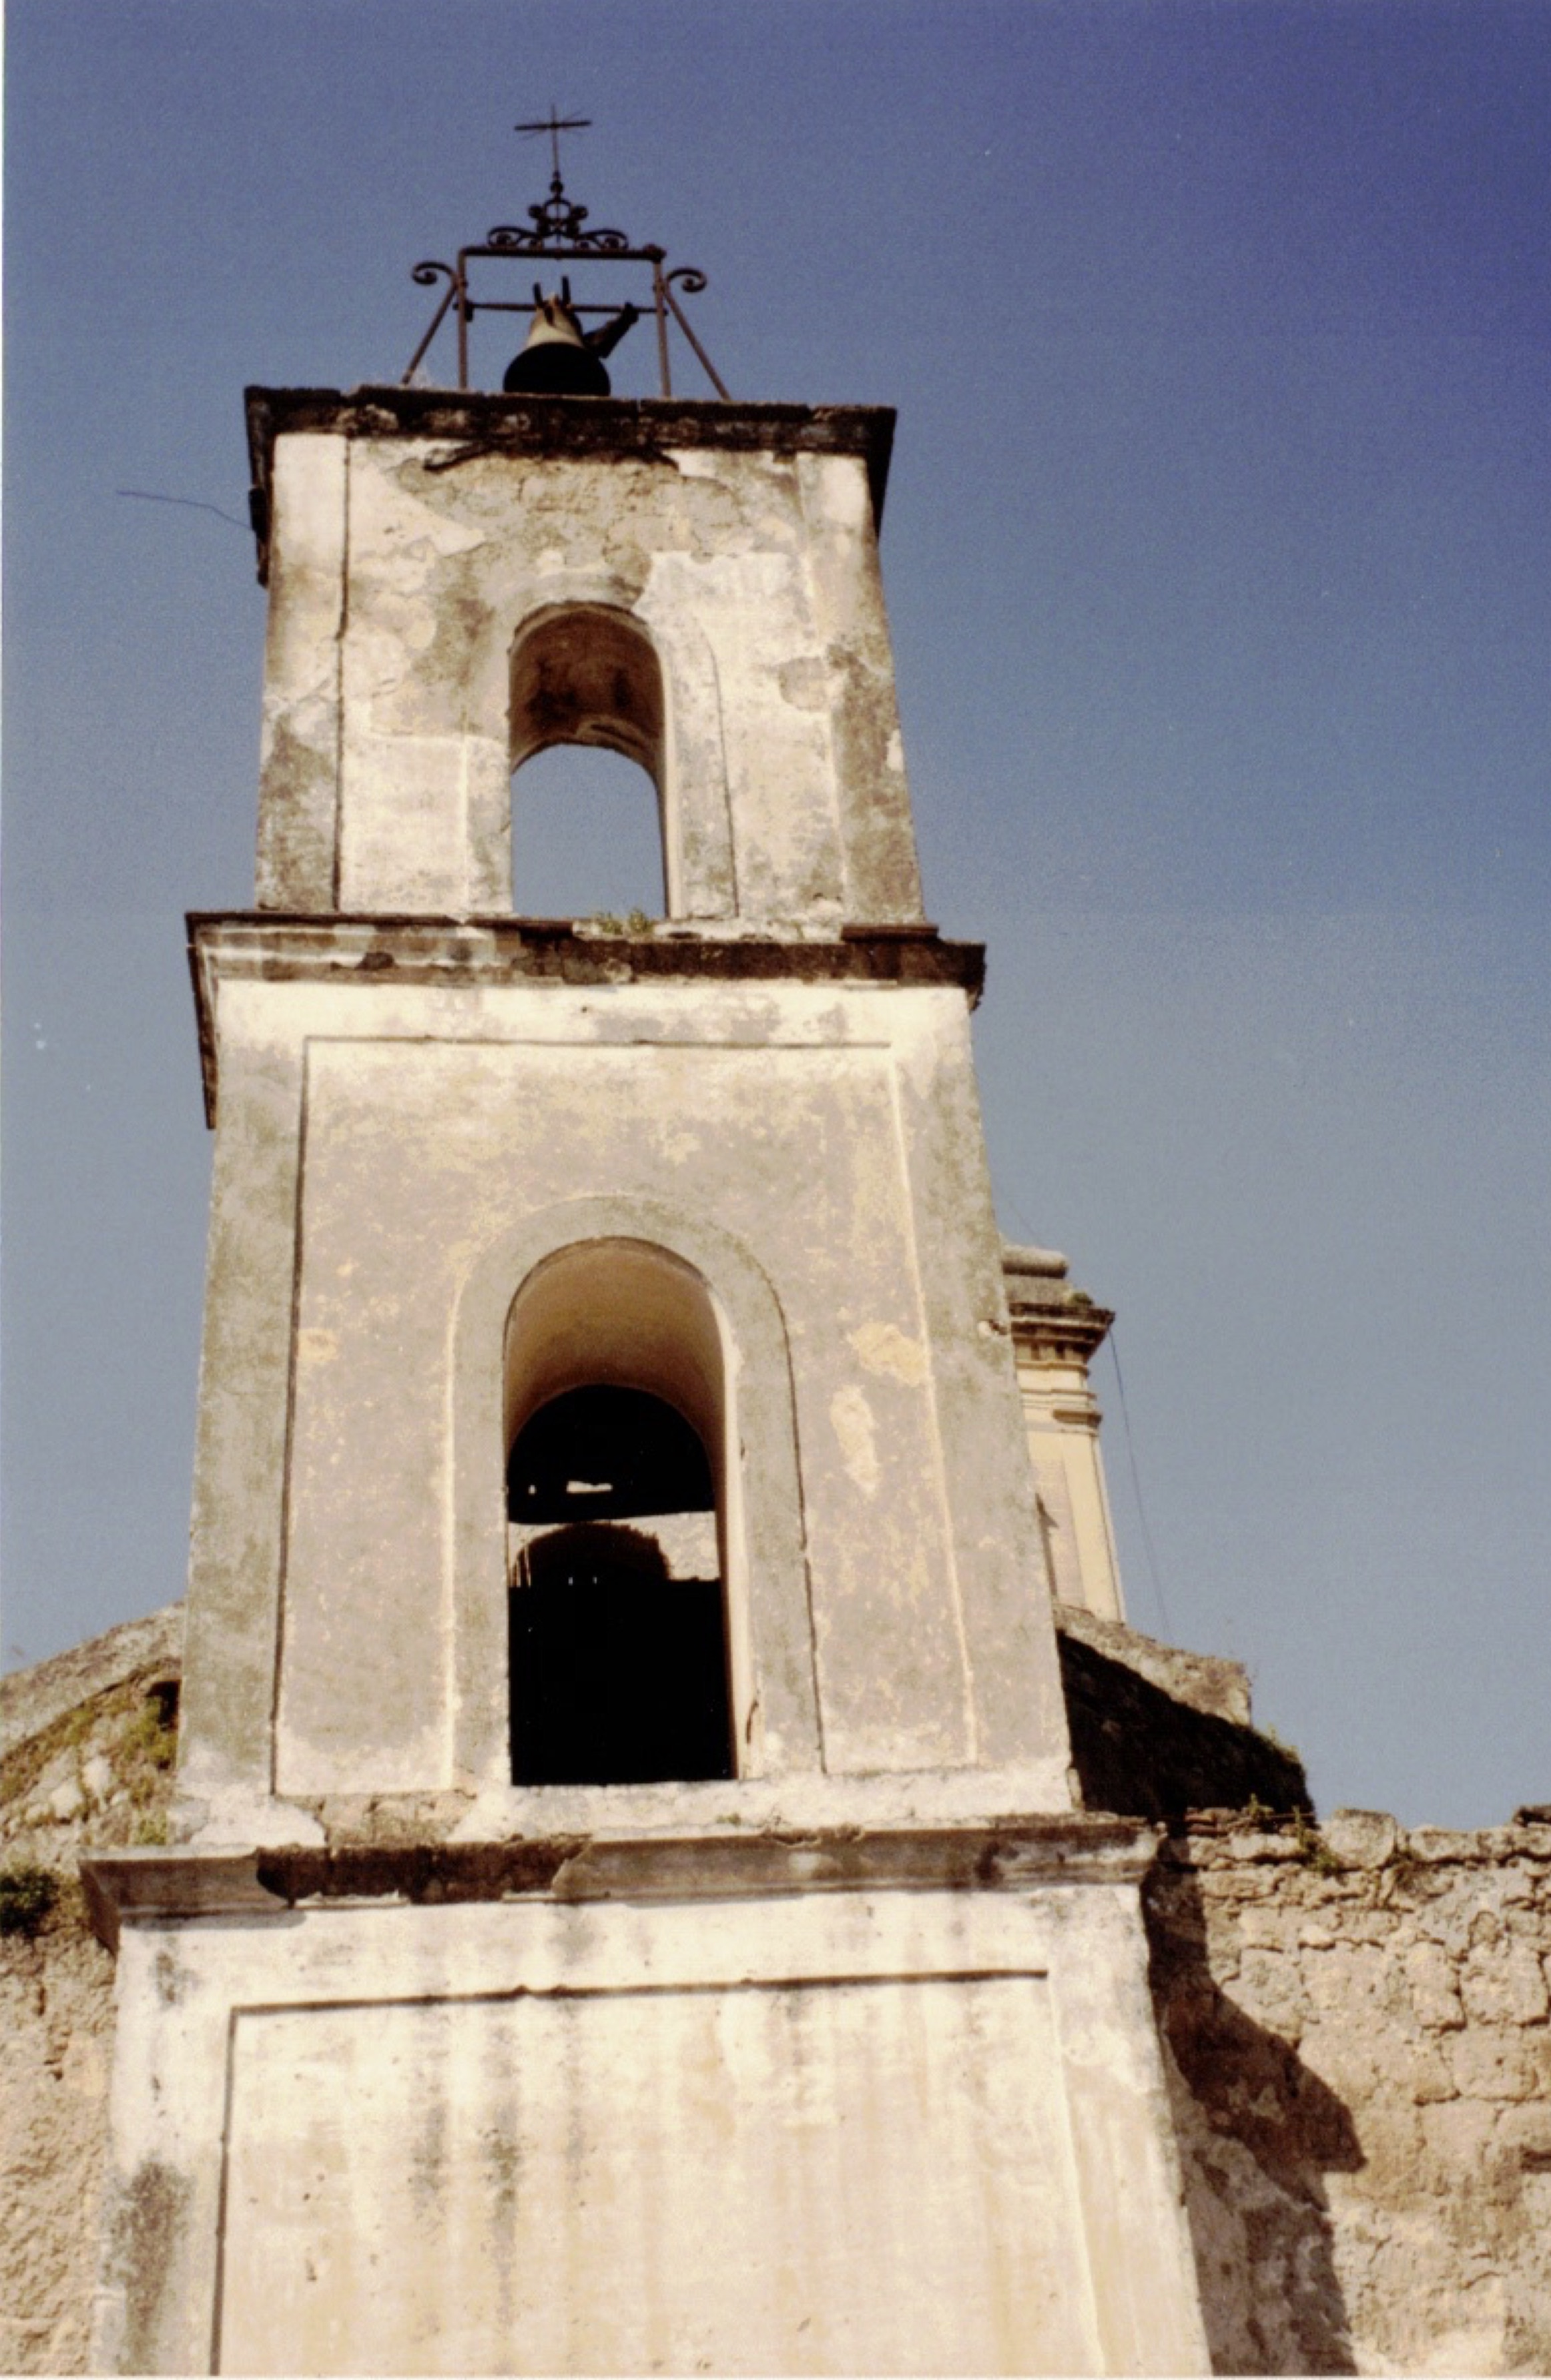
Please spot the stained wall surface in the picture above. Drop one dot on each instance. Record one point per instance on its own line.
(731, 1134)
(587, 2183)
(817, 2131)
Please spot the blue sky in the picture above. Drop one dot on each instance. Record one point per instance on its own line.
(1216, 550)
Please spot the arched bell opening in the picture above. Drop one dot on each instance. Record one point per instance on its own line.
(618, 1646)
(588, 827)
(620, 1515)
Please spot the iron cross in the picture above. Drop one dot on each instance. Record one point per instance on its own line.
(555, 125)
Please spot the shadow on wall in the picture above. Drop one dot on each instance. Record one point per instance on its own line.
(1144, 1753)
(1257, 2132)
(1257, 2129)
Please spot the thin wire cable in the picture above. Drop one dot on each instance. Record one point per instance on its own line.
(194, 503)
(1020, 1218)
(1136, 1484)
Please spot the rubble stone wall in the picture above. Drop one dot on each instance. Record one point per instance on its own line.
(56, 2031)
(1357, 2023)
(87, 1744)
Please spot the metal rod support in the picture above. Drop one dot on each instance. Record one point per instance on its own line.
(659, 292)
(436, 321)
(712, 373)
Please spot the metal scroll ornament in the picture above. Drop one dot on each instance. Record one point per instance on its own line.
(557, 227)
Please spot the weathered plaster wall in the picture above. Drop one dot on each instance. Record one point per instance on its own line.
(1360, 2053)
(815, 1145)
(916, 2128)
(414, 546)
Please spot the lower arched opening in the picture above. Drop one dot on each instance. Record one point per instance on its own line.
(618, 1645)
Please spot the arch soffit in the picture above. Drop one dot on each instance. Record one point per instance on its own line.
(620, 1311)
(634, 651)
(681, 644)
(733, 1279)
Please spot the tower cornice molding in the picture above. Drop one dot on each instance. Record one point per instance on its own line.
(258, 946)
(609, 429)
(1011, 1853)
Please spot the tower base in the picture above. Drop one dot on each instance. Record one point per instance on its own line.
(856, 2101)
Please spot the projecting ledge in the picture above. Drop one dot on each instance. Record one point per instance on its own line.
(471, 422)
(271, 947)
(1017, 1854)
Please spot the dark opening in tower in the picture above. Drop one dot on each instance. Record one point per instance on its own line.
(618, 1631)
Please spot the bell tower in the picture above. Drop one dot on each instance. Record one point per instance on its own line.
(629, 1910)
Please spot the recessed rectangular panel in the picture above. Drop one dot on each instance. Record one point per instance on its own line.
(420, 1156)
(800, 2178)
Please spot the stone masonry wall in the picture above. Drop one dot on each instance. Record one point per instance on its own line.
(56, 2028)
(86, 1760)
(1357, 2023)
(1358, 2028)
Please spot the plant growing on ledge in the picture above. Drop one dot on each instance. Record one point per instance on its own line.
(27, 1896)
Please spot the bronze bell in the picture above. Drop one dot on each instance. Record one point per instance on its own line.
(558, 358)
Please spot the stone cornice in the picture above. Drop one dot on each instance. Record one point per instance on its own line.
(1050, 1317)
(1015, 1854)
(264, 946)
(613, 428)
(1072, 1332)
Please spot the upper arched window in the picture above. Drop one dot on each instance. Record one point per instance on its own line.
(619, 1516)
(586, 837)
(588, 832)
